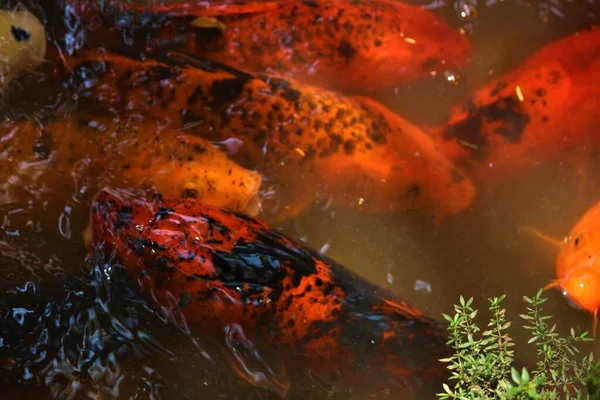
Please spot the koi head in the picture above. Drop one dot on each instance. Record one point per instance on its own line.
(22, 43)
(578, 270)
(578, 264)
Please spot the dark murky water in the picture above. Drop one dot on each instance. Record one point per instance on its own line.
(67, 331)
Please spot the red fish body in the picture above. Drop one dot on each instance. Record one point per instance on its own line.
(535, 113)
(578, 264)
(302, 138)
(211, 270)
(70, 154)
(339, 44)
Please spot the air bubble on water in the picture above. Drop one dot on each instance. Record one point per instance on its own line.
(325, 247)
(27, 375)
(19, 315)
(64, 223)
(452, 77)
(28, 287)
(422, 286)
(390, 278)
(467, 10)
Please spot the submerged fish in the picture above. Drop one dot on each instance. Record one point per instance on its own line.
(306, 140)
(578, 263)
(22, 43)
(339, 44)
(535, 113)
(78, 153)
(233, 278)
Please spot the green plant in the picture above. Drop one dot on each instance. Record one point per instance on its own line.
(482, 364)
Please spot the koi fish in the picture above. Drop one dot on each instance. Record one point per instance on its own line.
(532, 114)
(22, 43)
(578, 263)
(339, 44)
(304, 139)
(79, 152)
(229, 276)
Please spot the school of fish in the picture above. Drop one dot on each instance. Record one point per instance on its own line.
(209, 104)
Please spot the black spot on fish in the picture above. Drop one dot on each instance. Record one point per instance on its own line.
(186, 298)
(126, 210)
(189, 193)
(19, 34)
(346, 51)
(310, 3)
(457, 177)
(504, 111)
(429, 62)
(227, 90)
(256, 50)
(413, 191)
(349, 147)
(284, 86)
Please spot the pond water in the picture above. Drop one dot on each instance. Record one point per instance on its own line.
(88, 337)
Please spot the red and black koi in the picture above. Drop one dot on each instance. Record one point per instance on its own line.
(304, 139)
(339, 44)
(533, 114)
(215, 272)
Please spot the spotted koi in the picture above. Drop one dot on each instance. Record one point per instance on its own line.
(339, 44)
(221, 273)
(305, 140)
(532, 114)
(72, 153)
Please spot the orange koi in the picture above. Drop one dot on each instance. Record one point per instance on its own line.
(304, 139)
(81, 151)
(532, 114)
(340, 44)
(578, 263)
(233, 278)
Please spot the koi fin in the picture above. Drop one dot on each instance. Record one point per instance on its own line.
(250, 364)
(551, 285)
(542, 236)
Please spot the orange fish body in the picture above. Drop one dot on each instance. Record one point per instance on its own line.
(221, 273)
(305, 137)
(339, 44)
(532, 114)
(68, 154)
(578, 263)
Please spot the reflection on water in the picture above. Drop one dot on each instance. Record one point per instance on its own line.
(71, 328)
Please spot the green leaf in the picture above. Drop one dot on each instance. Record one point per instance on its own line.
(515, 376)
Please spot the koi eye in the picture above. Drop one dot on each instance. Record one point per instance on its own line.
(20, 34)
(579, 241)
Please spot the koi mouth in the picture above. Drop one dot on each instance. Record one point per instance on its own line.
(572, 303)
